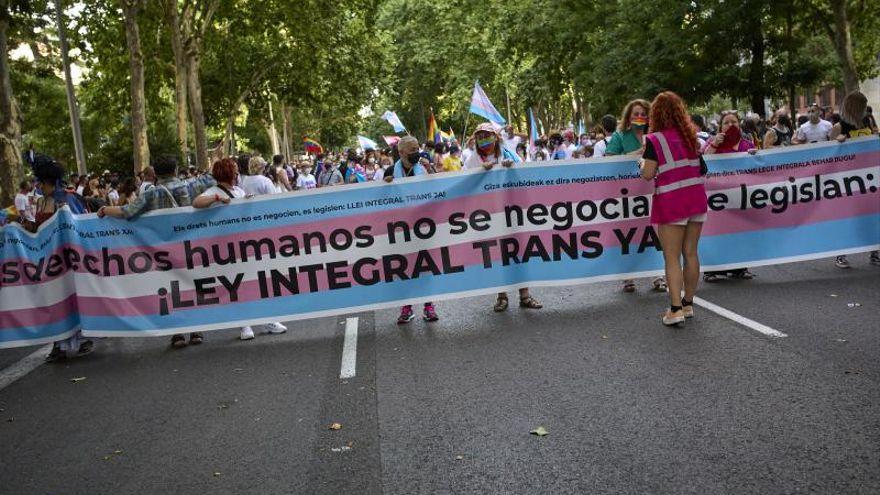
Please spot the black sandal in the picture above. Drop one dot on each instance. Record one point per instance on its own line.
(178, 341)
(501, 303)
(195, 338)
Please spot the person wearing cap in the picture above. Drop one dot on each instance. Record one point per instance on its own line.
(489, 151)
(410, 164)
(814, 130)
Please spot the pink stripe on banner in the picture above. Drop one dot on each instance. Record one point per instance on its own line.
(864, 160)
(34, 317)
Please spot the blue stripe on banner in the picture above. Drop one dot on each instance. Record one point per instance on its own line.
(754, 245)
(40, 332)
(792, 154)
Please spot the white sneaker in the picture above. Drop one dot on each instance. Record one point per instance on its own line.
(247, 333)
(276, 327)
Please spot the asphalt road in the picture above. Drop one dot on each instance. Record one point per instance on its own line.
(447, 407)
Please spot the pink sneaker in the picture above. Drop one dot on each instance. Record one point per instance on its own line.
(406, 315)
(430, 314)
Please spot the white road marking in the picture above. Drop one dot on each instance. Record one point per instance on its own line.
(24, 366)
(349, 348)
(742, 320)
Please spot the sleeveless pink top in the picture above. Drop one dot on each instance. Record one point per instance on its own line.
(679, 189)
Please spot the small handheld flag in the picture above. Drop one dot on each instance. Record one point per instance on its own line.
(481, 106)
(394, 120)
(312, 146)
(391, 140)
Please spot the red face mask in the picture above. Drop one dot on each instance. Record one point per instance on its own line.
(732, 136)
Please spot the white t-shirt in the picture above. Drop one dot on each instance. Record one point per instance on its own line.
(113, 196)
(236, 191)
(379, 174)
(599, 147)
(24, 207)
(474, 161)
(306, 181)
(257, 185)
(512, 143)
(810, 132)
(80, 189)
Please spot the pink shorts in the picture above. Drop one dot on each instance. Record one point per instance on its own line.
(694, 219)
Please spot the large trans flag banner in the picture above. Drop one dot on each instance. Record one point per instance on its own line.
(376, 245)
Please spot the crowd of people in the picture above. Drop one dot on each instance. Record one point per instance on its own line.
(668, 141)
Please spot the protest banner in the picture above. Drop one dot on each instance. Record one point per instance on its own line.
(338, 250)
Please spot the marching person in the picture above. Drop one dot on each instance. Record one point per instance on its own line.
(50, 174)
(489, 152)
(226, 173)
(167, 192)
(410, 164)
(629, 139)
(729, 140)
(678, 207)
(854, 122)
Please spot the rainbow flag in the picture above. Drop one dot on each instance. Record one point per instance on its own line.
(433, 132)
(312, 146)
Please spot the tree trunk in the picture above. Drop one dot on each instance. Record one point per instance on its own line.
(194, 87)
(140, 145)
(11, 172)
(180, 81)
(273, 133)
(285, 131)
(72, 107)
(756, 71)
(843, 46)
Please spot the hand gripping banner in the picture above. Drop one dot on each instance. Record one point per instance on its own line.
(376, 245)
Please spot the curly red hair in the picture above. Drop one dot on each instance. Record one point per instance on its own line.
(668, 111)
(225, 170)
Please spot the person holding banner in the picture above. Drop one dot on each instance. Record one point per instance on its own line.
(49, 174)
(226, 173)
(410, 164)
(678, 208)
(854, 122)
(629, 139)
(168, 192)
(729, 140)
(490, 151)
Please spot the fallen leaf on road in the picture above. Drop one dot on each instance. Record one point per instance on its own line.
(604, 337)
(216, 474)
(854, 305)
(10, 420)
(840, 340)
(459, 457)
(540, 431)
(832, 295)
(853, 371)
(350, 443)
(106, 457)
(335, 426)
(237, 369)
(117, 452)
(223, 406)
(344, 448)
(78, 379)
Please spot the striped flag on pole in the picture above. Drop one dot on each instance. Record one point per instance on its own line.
(394, 120)
(533, 133)
(367, 143)
(481, 106)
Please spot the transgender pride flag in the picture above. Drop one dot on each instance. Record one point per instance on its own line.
(481, 106)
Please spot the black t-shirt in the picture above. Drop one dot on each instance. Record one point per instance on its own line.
(389, 172)
(852, 131)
